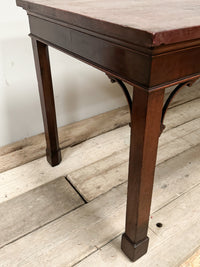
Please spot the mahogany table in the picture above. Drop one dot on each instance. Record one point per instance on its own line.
(148, 44)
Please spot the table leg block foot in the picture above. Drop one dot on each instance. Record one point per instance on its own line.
(54, 158)
(134, 251)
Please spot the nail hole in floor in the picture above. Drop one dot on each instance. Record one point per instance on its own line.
(159, 225)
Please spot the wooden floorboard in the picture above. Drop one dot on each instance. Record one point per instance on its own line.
(46, 223)
(182, 114)
(106, 174)
(73, 236)
(32, 148)
(177, 239)
(24, 178)
(33, 174)
(93, 225)
(20, 179)
(162, 253)
(193, 261)
(96, 178)
(33, 209)
(100, 176)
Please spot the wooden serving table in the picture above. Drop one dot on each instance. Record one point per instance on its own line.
(148, 44)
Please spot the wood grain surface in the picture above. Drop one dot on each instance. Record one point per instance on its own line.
(177, 238)
(38, 229)
(42, 205)
(32, 148)
(50, 244)
(150, 23)
(193, 261)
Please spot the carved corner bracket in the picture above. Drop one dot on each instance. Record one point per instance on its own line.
(171, 97)
(124, 89)
(167, 102)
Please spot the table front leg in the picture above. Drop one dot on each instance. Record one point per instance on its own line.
(145, 131)
(43, 71)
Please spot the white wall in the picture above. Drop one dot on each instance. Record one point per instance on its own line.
(80, 90)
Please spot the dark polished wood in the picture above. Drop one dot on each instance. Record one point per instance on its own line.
(145, 132)
(42, 65)
(124, 40)
(144, 23)
(146, 68)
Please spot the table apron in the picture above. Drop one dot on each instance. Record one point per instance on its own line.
(129, 65)
(175, 65)
(146, 70)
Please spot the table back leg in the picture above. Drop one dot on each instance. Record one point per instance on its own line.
(145, 131)
(43, 70)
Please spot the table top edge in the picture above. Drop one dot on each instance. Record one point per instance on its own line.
(132, 35)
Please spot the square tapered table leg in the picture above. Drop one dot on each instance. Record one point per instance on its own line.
(145, 131)
(43, 71)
